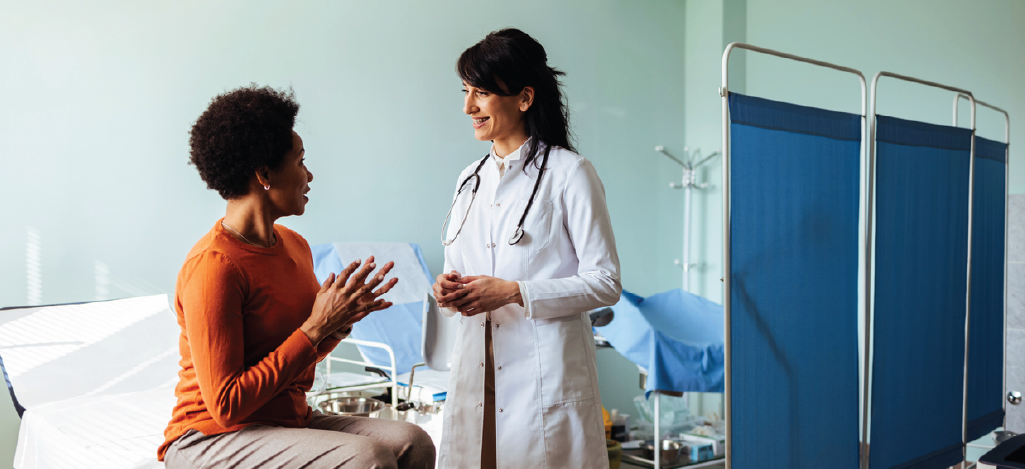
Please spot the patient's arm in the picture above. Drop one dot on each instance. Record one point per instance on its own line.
(212, 305)
(330, 342)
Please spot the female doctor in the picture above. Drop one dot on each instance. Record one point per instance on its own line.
(529, 250)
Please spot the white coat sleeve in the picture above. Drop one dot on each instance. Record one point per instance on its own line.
(454, 258)
(597, 281)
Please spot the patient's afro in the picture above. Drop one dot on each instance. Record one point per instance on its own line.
(240, 131)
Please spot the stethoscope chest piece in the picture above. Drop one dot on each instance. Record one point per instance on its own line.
(516, 236)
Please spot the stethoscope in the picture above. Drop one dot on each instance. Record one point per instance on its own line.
(518, 234)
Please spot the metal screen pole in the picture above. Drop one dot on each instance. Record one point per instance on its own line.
(968, 292)
(1007, 160)
(724, 93)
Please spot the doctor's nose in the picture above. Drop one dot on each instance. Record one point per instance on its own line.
(468, 106)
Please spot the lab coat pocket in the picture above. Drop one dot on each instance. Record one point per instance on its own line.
(537, 226)
(565, 376)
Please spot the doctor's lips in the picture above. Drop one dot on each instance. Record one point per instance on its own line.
(479, 122)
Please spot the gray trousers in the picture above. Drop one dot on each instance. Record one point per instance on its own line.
(329, 442)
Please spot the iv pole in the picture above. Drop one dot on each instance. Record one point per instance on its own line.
(688, 183)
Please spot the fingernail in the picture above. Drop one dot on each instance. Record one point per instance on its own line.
(372, 265)
(380, 277)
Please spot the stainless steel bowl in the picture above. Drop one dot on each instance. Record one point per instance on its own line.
(670, 451)
(352, 406)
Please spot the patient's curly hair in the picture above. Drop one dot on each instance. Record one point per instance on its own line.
(240, 131)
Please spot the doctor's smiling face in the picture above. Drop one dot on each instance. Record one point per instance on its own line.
(495, 117)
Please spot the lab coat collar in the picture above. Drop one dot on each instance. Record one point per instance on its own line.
(515, 155)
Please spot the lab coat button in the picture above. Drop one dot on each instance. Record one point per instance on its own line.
(480, 404)
(482, 364)
(500, 409)
(499, 367)
(498, 205)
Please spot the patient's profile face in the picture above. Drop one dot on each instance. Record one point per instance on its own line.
(291, 181)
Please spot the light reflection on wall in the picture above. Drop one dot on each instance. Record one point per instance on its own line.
(33, 268)
(102, 280)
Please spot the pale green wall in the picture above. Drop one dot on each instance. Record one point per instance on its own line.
(99, 97)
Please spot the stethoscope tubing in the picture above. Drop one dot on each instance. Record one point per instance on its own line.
(518, 234)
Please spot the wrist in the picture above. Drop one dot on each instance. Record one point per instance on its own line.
(514, 293)
(314, 333)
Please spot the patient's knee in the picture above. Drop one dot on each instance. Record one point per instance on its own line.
(417, 450)
(378, 456)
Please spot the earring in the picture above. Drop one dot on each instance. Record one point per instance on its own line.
(266, 187)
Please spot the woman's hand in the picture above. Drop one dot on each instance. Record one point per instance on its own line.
(482, 293)
(344, 300)
(447, 288)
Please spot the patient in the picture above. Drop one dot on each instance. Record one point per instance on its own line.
(254, 319)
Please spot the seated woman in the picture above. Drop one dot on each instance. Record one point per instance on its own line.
(254, 319)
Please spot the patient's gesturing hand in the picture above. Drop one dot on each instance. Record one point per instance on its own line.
(347, 298)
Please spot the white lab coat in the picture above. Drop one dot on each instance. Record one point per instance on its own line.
(548, 409)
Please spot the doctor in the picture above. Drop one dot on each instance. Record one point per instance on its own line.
(529, 250)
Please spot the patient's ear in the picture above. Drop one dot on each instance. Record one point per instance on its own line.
(263, 176)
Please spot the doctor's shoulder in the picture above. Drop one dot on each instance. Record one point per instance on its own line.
(566, 164)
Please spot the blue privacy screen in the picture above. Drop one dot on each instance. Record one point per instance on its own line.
(793, 276)
(986, 334)
(921, 255)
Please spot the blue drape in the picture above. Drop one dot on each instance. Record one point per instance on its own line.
(986, 334)
(921, 249)
(794, 247)
(675, 335)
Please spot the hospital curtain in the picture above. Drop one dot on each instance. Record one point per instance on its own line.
(921, 249)
(793, 285)
(986, 331)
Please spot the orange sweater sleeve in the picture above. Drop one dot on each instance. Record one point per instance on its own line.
(212, 303)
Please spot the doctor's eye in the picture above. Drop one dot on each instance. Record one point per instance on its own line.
(464, 91)
(482, 93)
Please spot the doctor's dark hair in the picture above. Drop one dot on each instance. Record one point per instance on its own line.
(504, 63)
(240, 131)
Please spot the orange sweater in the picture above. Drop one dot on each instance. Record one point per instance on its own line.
(244, 359)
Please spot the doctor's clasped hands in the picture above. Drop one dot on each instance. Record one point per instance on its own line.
(476, 294)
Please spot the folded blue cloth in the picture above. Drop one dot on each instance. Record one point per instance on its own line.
(675, 335)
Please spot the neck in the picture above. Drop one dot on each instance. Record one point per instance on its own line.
(507, 145)
(250, 219)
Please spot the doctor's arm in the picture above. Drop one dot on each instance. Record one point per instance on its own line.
(597, 281)
(445, 285)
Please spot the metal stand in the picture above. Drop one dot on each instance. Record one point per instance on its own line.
(690, 165)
